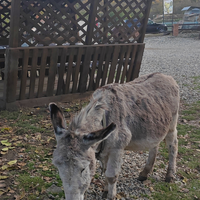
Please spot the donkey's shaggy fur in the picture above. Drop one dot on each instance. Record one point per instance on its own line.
(145, 112)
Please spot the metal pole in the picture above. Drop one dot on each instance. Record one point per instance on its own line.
(163, 11)
(172, 18)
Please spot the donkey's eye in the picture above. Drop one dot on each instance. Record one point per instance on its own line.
(82, 170)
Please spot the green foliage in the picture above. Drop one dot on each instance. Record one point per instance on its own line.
(28, 182)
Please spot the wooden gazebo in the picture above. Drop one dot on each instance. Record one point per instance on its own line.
(56, 50)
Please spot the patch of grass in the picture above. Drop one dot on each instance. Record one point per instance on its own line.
(29, 183)
(162, 165)
(163, 150)
(25, 122)
(96, 176)
(31, 165)
(183, 129)
(192, 112)
(165, 191)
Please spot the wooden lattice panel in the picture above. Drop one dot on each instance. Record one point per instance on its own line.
(53, 22)
(5, 6)
(80, 21)
(119, 21)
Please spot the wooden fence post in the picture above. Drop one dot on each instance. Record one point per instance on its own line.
(11, 61)
(14, 23)
(145, 21)
(87, 59)
(11, 71)
(175, 30)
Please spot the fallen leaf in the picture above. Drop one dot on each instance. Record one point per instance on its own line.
(6, 143)
(5, 129)
(50, 138)
(21, 164)
(4, 167)
(68, 110)
(3, 177)
(2, 185)
(5, 149)
(47, 178)
(38, 136)
(185, 190)
(12, 162)
(151, 189)
(45, 168)
(184, 180)
(3, 153)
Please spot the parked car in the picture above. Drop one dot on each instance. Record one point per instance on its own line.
(152, 27)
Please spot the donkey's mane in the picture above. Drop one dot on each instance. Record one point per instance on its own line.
(80, 118)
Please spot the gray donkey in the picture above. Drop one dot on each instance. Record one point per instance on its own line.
(133, 116)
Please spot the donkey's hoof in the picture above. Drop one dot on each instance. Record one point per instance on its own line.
(169, 179)
(105, 193)
(142, 178)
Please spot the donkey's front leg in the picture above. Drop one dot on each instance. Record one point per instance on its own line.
(112, 171)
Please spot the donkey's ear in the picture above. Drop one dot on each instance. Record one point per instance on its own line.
(57, 119)
(99, 135)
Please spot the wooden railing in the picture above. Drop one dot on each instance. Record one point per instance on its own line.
(50, 71)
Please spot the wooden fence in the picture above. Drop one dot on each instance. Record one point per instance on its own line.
(43, 60)
(50, 71)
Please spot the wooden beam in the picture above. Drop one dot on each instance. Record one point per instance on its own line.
(44, 101)
(137, 63)
(91, 21)
(11, 70)
(14, 23)
(145, 21)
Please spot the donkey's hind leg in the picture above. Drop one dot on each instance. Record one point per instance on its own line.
(172, 144)
(149, 165)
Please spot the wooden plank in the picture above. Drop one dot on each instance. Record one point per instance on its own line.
(113, 64)
(100, 65)
(125, 64)
(24, 75)
(121, 61)
(14, 23)
(61, 71)
(52, 72)
(143, 30)
(33, 73)
(42, 72)
(69, 71)
(77, 70)
(46, 100)
(11, 70)
(91, 20)
(85, 69)
(106, 66)
(137, 62)
(94, 66)
(131, 65)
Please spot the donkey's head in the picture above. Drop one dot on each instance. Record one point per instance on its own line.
(74, 155)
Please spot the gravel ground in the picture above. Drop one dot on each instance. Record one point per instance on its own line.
(178, 57)
(175, 56)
